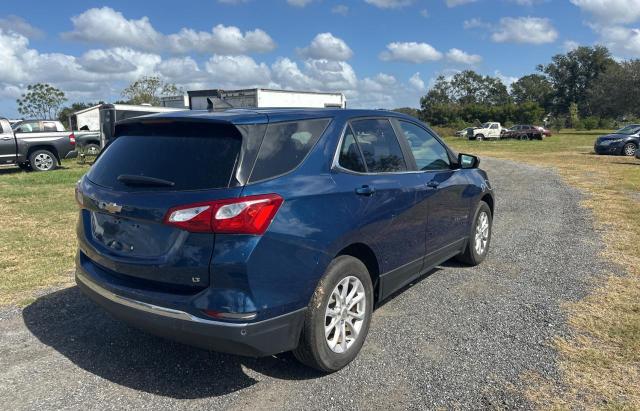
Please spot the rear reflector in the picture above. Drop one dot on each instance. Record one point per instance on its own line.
(244, 215)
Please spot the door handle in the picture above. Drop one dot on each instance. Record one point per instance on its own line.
(433, 184)
(365, 190)
(6, 138)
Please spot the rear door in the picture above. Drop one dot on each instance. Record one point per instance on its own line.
(122, 228)
(442, 192)
(381, 196)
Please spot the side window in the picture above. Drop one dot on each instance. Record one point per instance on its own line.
(350, 157)
(428, 152)
(49, 126)
(285, 145)
(379, 145)
(494, 126)
(28, 127)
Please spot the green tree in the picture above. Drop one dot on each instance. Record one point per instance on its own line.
(574, 117)
(574, 73)
(616, 92)
(535, 88)
(148, 90)
(41, 101)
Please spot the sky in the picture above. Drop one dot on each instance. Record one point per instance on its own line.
(380, 53)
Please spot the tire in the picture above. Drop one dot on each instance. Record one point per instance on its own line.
(314, 349)
(629, 150)
(524, 137)
(43, 160)
(91, 149)
(471, 255)
(480, 137)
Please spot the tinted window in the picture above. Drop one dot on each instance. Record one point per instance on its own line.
(379, 145)
(350, 157)
(28, 127)
(428, 152)
(195, 157)
(285, 145)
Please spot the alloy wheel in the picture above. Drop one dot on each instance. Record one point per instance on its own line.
(629, 150)
(43, 162)
(345, 314)
(482, 233)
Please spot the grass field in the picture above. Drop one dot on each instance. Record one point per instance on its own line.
(37, 224)
(600, 363)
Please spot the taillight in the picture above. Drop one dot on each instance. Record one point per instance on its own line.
(244, 215)
(72, 139)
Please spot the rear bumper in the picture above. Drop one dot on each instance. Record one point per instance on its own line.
(256, 339)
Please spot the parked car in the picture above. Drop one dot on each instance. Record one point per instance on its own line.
(545, 131)
(35, 144)
(524, 132)
(300, 223)
(622, 142)
(488, 131)
(465, 132)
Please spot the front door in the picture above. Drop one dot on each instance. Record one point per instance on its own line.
(442, 194)
(7, 143)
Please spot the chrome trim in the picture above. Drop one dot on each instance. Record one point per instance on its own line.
(155, 309)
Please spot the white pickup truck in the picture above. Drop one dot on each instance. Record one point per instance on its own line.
(488, 131)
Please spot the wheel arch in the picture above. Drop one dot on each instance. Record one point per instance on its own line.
(49, 148)
(365, 254)
(488, 198)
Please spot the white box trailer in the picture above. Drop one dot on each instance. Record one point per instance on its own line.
(103, 117)
(262, 97)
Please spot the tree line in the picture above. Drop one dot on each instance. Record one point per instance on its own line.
(44, 101)
(583, 88)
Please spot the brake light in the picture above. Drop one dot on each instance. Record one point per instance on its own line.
(72, 139)
(244, 215)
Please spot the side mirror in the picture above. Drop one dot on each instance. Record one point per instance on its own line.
(468, 161)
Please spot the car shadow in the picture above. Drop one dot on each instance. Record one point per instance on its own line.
(625, 164)
(75, 327)
(10, 170)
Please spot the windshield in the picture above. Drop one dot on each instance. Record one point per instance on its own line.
(485, 125)
(628, 130)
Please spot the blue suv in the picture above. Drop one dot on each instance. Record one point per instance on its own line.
(256, 232)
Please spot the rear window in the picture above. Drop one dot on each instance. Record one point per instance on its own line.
(192, 156)
(285, 145)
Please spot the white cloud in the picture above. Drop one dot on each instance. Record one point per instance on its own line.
(475, 23)
(622, 41)
(417, 82)
(222, 39)
(459, 56)
(424, 13)
(108, 26)
(237, 71)
(456, 3)
(410, 52)
(327, 46)
(340, 9)
(533, 30)
(299, 3)
(390, 4)
(20, 26)
(569, 45)
(506, 80)
(611, 11)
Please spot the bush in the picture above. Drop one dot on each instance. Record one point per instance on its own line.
(590, 123)
(445, 131)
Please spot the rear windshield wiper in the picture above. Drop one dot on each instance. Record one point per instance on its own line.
(134, 180)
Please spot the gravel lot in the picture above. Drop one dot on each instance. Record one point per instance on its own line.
(459, 338)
